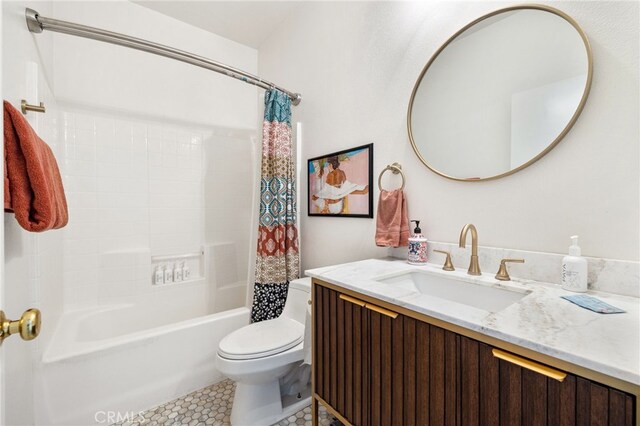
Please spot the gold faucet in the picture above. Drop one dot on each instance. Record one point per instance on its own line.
(474, 266)
(448, 264)
(503, 274)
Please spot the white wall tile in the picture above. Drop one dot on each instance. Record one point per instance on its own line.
(82, 215)
(85, 152)
(81, 262)
(87, 200)
(84, 121)
(85, 136)
(80, 246)
(80, 278)
(138, 188)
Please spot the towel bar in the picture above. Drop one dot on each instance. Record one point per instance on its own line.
(395, 168)
(25, 107)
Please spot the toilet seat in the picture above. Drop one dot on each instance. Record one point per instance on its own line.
(262, 339)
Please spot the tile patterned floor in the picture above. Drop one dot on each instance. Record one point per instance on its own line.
(211, 406)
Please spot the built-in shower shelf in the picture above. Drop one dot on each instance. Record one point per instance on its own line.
(189, 281)
(155, 259)
(194, 262)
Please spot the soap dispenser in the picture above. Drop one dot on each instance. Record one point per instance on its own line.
(417, 247)
(574, 269)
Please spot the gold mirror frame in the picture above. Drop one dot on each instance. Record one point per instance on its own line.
(564, 131)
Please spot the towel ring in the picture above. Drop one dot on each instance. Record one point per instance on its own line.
(395, 168)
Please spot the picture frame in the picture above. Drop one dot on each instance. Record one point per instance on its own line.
(340, 184)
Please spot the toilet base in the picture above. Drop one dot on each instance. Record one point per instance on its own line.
(261, 404)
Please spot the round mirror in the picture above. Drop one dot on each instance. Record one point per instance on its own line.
(500, 93)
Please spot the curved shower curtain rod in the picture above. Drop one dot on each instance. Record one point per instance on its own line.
(37, 23)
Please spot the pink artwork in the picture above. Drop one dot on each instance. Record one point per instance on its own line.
(340, 183)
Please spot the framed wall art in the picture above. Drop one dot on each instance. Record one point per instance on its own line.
(340, 183)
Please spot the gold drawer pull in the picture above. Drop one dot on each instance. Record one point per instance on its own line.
(382, 311)
(352, 300)
(530, 365)
(375, 308)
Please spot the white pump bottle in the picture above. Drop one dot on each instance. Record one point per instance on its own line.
(574, 269)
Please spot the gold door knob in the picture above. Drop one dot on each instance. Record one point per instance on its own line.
(28, 326)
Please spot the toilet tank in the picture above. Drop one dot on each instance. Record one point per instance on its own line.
(298, 297)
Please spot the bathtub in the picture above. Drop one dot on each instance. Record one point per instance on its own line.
(113, 362)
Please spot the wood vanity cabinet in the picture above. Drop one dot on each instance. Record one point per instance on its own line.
(373, 366)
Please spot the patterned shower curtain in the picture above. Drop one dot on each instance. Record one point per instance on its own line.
(277, 260)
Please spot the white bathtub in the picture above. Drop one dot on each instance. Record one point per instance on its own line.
(119, 360)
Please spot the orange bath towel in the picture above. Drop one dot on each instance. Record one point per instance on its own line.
(32, 183)
(392, 224)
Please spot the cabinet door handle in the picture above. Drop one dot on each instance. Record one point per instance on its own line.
(530, 365)
(382, 311)
(374, 308)
(352, 300)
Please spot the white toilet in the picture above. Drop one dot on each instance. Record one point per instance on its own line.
(259, 356)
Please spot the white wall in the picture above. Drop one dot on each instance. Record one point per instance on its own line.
(355, 65)
(107, 76)
(33, 262)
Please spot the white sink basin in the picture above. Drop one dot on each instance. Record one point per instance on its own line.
(485, 297)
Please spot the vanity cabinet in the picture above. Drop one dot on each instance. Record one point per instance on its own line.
(369, 365)
(374, 366)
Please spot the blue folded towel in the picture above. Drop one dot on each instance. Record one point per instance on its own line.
(593, 304)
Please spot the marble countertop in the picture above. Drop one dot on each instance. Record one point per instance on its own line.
(540, 321)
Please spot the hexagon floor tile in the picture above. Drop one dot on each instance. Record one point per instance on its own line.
(212, 406)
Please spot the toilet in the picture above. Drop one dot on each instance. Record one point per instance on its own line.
(264, 358)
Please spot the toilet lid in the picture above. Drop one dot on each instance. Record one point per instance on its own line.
(262, 339)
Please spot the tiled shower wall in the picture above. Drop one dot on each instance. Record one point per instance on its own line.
(137, 188)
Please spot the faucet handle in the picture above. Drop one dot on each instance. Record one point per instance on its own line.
(503, 274)
(448, 265)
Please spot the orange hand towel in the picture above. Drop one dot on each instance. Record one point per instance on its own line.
(32, 182)
(392, 223)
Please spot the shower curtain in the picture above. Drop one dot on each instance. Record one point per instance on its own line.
(277, 260)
